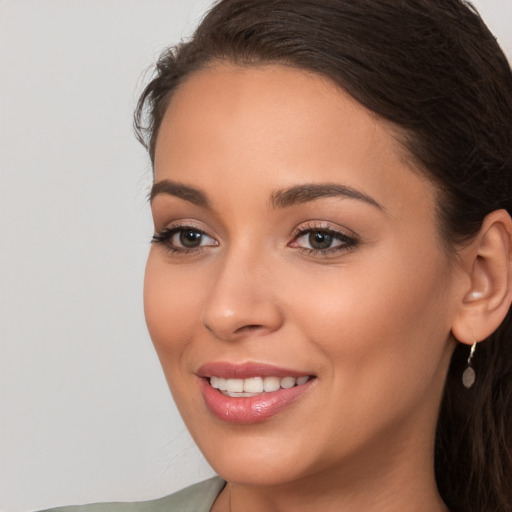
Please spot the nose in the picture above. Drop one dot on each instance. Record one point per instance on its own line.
(242, 299)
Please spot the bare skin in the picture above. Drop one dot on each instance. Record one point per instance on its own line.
(369, 313)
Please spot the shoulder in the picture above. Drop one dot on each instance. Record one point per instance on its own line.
(196, 498)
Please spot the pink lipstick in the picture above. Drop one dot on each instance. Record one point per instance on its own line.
(250, 392)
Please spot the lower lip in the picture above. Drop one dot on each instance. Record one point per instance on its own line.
(254, 409)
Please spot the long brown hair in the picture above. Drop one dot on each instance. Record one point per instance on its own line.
(434, 70)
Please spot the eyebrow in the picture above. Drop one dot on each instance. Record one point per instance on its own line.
(172, 188)
(304, 193)
(285, 198)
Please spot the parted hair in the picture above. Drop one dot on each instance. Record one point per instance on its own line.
(434, 70)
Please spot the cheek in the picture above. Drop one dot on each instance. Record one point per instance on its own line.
(171, 304)
(386, 320)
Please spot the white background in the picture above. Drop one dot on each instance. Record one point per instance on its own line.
(85, 414)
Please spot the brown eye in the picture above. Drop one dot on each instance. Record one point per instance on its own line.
(320, 240)
(184, 239)
(190, 238)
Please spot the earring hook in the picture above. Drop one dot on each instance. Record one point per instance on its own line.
(468, 377)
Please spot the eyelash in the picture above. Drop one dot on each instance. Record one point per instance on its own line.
(348, 242)
(165, 236)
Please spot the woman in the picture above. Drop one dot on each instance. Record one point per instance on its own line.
(330, 280)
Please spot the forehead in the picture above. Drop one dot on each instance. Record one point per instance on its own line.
(275, 125)
(267, 103)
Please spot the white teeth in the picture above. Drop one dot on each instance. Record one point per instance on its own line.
(235, 385)
(271, 383)
(254, 385)
(288, 382)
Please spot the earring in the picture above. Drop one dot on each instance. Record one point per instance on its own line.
(468, 377)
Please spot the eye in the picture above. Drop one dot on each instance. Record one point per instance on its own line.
(188, 238)
(320, 240)
(183, 238)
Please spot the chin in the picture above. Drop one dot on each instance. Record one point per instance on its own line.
(264, 454)
(249, 467)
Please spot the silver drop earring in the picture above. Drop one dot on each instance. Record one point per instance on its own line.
(468, 377)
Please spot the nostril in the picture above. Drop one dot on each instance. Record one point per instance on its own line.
(248, 328)
(229, 317)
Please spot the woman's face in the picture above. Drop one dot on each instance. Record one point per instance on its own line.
(294, 243)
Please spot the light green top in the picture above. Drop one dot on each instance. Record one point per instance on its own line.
(196, 498)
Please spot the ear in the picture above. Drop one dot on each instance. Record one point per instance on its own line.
(487, 261)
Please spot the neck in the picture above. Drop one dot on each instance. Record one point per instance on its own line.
(381, 496)
(385, 480)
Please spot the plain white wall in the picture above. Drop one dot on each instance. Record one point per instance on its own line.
(85, 414)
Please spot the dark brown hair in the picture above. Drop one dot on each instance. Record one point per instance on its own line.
(433, 69)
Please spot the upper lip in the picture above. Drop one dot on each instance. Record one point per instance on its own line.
(247, 370)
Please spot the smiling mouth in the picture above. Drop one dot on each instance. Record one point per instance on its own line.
(251, 393)
(255, 386)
